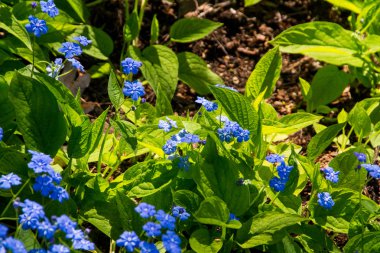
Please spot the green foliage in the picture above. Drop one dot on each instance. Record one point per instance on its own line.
(192, 29)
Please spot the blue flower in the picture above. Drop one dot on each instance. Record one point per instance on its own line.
(210, 106)
(9, 180)
(59, 194)
(166, 220)
(32, 213)
(146, 247)
(133, 89)
(233, 217)
(65, 224)
(152, 229)
(277, 184)
(361, 157)
(274, 158)
(58, 248)
(172, 122)
(330, 174)
(128, 240)
(3, 231)
(225, 135)
(53, 69)
(225, 87)
(83, 244)
(184, 163)
(75, 234)
(284, 170)
(49, 8)
(164, 125)
(76, 64)
(171, 242)
(242, 135)
(373, 169)
(38, 251)
(325, 200)
(1, 134)
(130, 66)
(70, 49)
(34, 5)
(46, 229)
(170, 147)
(36, 26)
(83, 40)
(44, 185)
(180, 213)
(145, 210)
(14, 245)
(40, 162)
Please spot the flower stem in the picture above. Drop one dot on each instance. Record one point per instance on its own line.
(14, 197)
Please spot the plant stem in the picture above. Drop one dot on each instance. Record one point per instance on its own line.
(33, 41)
(14, 197)
(99, 165)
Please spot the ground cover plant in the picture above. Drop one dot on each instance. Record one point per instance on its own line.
(141, 177)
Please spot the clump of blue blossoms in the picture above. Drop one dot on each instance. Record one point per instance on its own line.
(9, 180)
(130, 66)
(76, 64)
(232, 129)
(133, 89)
(70, 49)
(160, 224)
(47, 181)
(208, 105)
(232, 217)
(274, 158)
(361, 157)
(36, 26)
(83, 40)
(373, 170)
(167, 124)
(184, 163)
(330, 174)
(325, 200)
(9, 244)
(49, 8)
(182, 137)
(283, 171)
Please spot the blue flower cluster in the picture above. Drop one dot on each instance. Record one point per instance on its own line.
(38, 26)
(325, 200)
(71, 49)
(49, 8)
(33, 217)
(361, 157)
(9, 180)
(210, 106)
(232, 129)
(330, 174)
(1, 134)
(373, 170)
(53, 69)
(47, 181)
(159, 221)
(133, 89)
(182, 137)
(167, 124)
(9, 244)
(283, 171)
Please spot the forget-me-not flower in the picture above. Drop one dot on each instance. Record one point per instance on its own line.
(49, 8)
(36, 26)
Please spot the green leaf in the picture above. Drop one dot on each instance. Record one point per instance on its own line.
(114, 91)
(6, 108)
(154, 30)
(265, 74)
(202, 242)
(368, 241)
(76, 8)
(131, 28)
(160, 68)
(290, 123)
(10, 24)
(322, 140)
(187, 199)
(360, 121)
(13, 161)
(127, 131)
(238, 108)
(305, 89)
(194, 72)
(323, 41)
(251, 2)
(191, 29)
(38, 117)
(266, 228)
(214, 211)
(354, 6)
(327, 85)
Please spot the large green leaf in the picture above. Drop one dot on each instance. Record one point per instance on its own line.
(13, 161)
(160, 68)
(368, 242)
(6, 108)
(265, 74)
(360, 121)
(38, 117)
(127, 130)
(194, 72)
(290, 123)
(327, 85)
(76, 8)
(10, 24)
(322, 140)
(114, 91)
(323, 41)
(352, 5)
(238, 108)
(266, 228)
(202, 242)
(192, 29)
